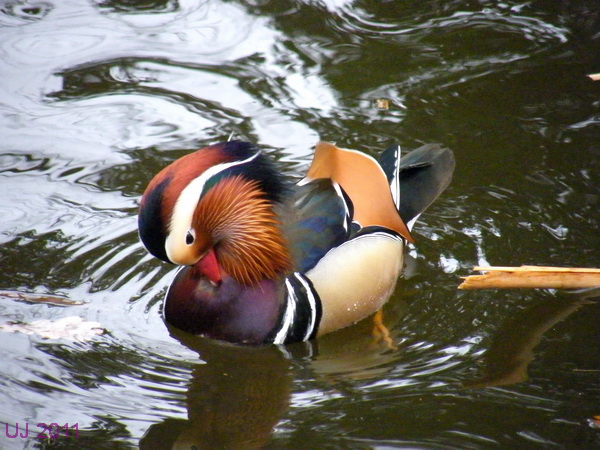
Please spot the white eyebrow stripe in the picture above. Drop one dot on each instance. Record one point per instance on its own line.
(183, 211)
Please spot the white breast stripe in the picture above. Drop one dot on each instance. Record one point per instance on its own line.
(313, 306)
(181, 219)
(288, 315)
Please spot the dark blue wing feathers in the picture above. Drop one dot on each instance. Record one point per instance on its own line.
(323, 215)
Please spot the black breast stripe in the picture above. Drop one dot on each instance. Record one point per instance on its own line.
(301, 312)
(375, 230)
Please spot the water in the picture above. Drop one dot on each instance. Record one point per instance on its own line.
(96, 96)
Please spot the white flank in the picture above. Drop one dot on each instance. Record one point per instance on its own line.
(356, 278)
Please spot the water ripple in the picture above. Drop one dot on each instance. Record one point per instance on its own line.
(23, 12)
(42, 48)
(497, 20)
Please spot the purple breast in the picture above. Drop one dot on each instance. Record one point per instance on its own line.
(230, 312)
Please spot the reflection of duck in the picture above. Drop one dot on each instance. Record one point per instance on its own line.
(234, 400)
(238, 394)
(268, 262)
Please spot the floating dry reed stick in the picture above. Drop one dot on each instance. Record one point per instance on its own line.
(532, 277)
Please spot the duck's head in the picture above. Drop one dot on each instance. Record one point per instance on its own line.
(214, 209)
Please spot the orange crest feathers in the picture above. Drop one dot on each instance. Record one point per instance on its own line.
(248, 241)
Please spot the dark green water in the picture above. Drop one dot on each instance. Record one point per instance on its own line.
(96, 96)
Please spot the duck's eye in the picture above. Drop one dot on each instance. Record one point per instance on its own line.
(189, 237)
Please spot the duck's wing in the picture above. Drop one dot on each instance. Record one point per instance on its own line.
(363, 179)
(418, 178)
(320, 220)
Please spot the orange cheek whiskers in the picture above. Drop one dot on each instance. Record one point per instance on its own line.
(248, 241)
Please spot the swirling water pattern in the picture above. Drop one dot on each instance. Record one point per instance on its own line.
(97, 95)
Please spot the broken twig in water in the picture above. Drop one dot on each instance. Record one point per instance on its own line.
(532, 277)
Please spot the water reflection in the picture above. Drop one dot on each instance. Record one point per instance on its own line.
(512, 347)
(238, 395)
(19, 12)
(235, 398)
(147, 6)
(140, 87)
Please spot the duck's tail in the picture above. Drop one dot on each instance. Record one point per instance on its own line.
(418, 178)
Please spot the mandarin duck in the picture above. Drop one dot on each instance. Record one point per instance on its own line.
(266, 261)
